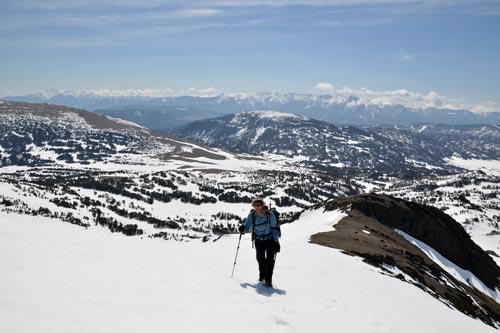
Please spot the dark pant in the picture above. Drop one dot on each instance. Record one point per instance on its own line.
(265, 257)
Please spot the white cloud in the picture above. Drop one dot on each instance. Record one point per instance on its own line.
(405, 56)
(485, 107)
(64, 4)
(394, 97)
(210, 90)
(323, 86)
(6, 92)
(118, 22)
(206, 92)
(195, 13)
(353, 23)
(413, 100)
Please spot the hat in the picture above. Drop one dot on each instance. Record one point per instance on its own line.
(257, 199)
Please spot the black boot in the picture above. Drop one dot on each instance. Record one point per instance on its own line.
(262, 269)
(261, 259)
(269, 272)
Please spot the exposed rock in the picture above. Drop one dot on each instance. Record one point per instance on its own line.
(368, 232)
(431, 226)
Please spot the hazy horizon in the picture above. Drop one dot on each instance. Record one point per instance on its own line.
(191, 47)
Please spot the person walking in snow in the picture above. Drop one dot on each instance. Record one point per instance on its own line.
(265, 233)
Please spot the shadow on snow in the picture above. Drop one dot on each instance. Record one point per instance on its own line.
(263, 290)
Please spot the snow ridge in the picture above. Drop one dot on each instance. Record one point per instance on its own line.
(460, 274)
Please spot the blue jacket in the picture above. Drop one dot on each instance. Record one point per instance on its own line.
(264, 229)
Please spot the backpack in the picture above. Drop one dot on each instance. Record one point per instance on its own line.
(268, 216)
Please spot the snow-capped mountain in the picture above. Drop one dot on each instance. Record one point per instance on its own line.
(81, 99)
(332, 148)
(355, 110)
(400, 107)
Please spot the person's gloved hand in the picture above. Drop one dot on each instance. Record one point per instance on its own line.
(241, 229)
(277, 246)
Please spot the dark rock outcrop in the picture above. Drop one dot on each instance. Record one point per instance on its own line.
(429, 225)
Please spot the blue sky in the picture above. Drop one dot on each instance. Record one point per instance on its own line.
(450, 46)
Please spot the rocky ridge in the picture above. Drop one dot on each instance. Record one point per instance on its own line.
(376, 229)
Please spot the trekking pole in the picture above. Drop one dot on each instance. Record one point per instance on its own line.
(236, 256)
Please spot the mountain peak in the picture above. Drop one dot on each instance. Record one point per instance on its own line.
(269, 114)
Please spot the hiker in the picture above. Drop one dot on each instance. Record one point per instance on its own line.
(265, 234)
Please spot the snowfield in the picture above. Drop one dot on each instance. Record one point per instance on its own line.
(57, 277)
(491, 167)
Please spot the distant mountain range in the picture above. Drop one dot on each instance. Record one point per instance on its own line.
(168, 112)
(158, 116)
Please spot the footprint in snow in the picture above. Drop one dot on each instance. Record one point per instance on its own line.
(280, 321)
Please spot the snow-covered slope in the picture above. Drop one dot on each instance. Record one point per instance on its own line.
(51, 135)
(169, 204)
(96, 171)
(56, 278)
(462, 141)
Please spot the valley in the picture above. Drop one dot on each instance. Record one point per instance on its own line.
(194, 185)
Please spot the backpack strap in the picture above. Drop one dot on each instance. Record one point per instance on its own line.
(268, 221)
(277, 227)
(253, 225)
